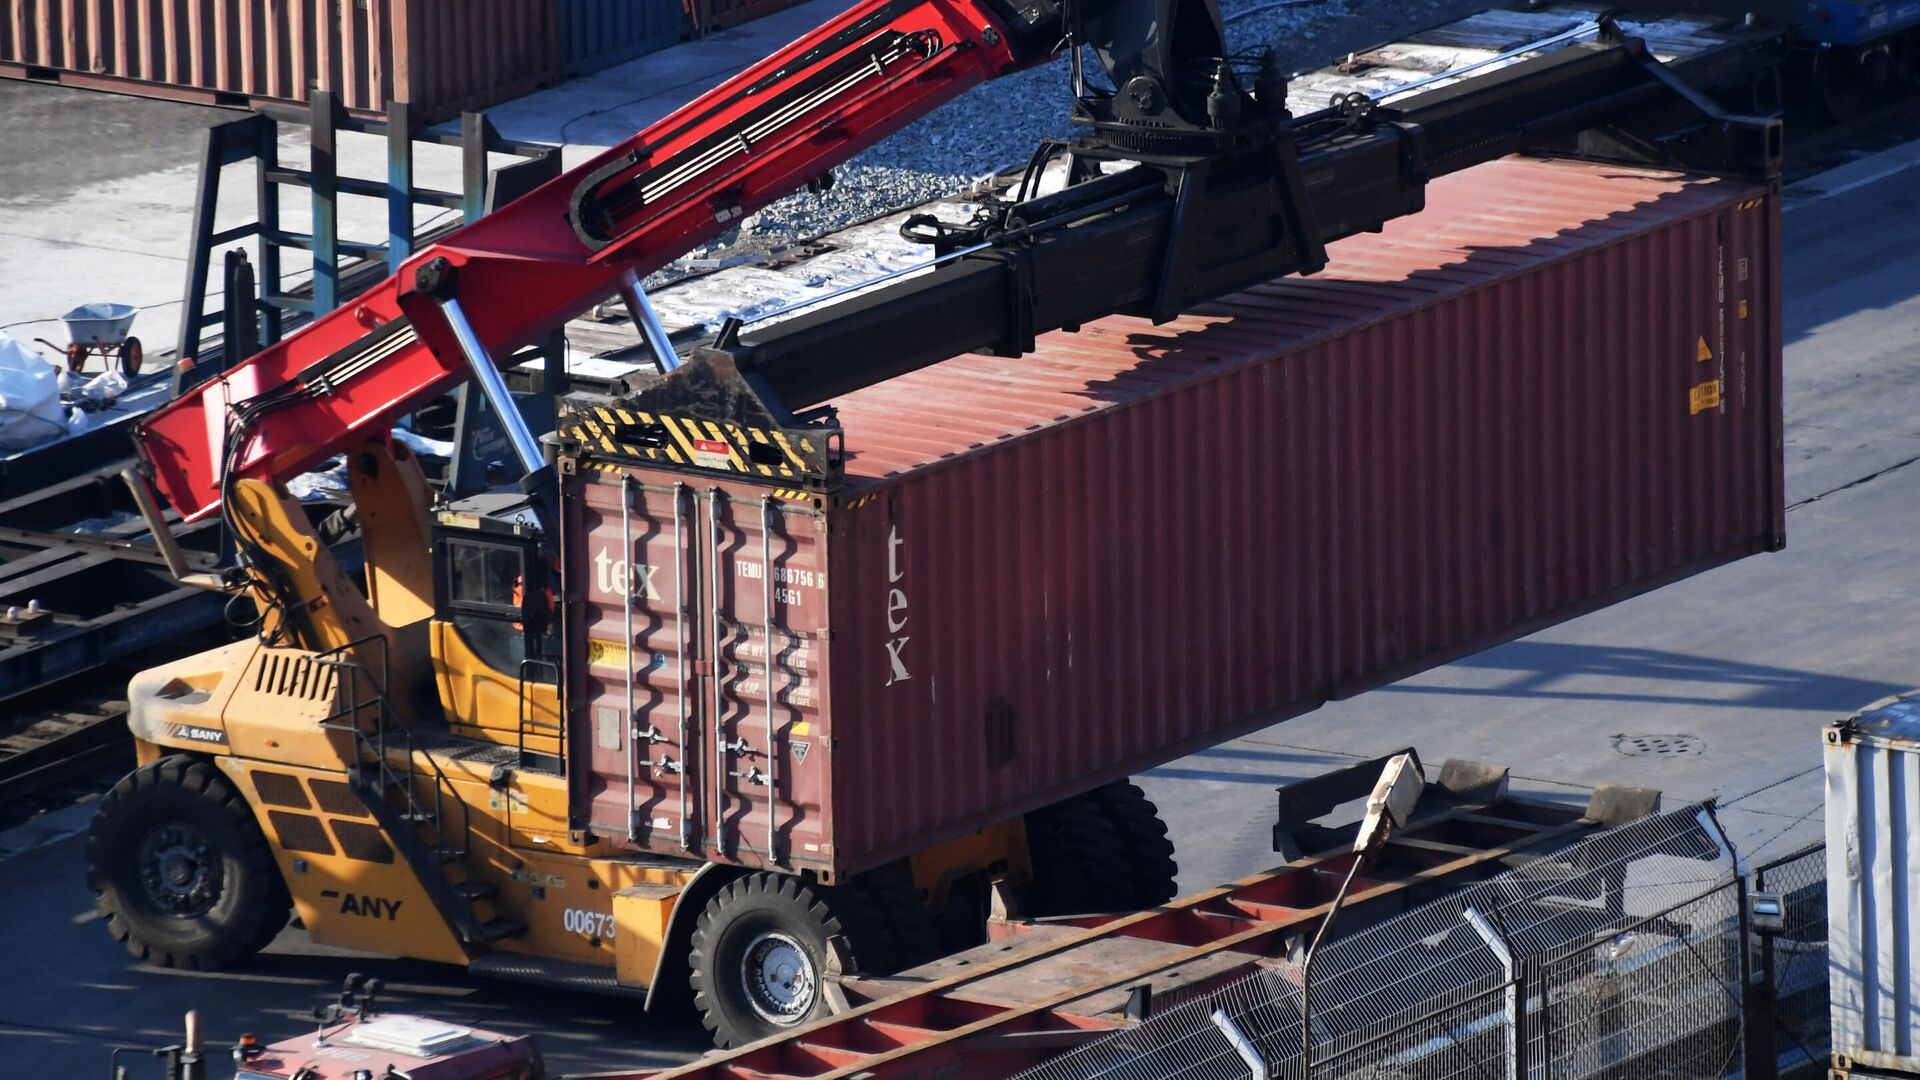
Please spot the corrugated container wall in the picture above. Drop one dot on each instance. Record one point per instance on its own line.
(441, 56)
(710, 16)
(1873, 905)
(1557, 387)
(601, 33)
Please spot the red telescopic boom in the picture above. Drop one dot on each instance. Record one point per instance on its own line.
(521, 272)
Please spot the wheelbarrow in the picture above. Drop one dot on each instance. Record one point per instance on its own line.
(100, 329)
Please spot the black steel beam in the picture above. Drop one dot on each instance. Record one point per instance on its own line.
(1165, 237)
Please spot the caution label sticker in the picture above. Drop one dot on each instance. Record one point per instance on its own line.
(611, 653)
(1704, 396)
(712, 454)
(1702, 354)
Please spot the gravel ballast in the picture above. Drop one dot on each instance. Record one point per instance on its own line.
(997, 125)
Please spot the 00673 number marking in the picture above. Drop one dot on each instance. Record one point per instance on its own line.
(591, 923)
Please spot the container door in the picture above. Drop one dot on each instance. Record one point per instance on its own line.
(766, 619)
(635, 659)
(693, 736)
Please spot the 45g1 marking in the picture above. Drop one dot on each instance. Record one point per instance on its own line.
(591, 923)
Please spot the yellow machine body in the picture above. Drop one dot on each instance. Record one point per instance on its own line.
(327, 694)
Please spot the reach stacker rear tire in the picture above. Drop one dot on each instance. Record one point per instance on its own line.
(180, 871)
(760, 952)
(1103, 851)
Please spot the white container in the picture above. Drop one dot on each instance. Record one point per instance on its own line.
(1873, 884)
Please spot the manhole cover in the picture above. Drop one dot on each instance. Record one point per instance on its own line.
(1659, 745)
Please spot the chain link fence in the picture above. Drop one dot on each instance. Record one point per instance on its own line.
(1792, 962)
(1620, 957)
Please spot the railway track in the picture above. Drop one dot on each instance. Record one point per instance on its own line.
(55, 756)
(61, 743)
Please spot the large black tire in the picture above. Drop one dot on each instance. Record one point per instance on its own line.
(902, 905)
(180, 871)
(759, 954)
(1106, 850)
(1150, 858)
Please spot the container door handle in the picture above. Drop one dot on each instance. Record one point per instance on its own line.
(770, 516)
(634, 735)
(682, 610)
(720, 747)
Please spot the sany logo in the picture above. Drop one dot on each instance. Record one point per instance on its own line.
(365, 906)
(612, 576)
(896, 611)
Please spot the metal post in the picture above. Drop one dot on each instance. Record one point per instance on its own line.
(553, 371)
(1250, 1055)
(1546, 1019)
(1516, 1001)
(1389, 806)
(1306, 968)
(526, 449)
(266, 154)
(399, 184)
(1765, 1008)
(200, 250)
(240, 321)
(476, 134)
(193, 1065)
(324, 182)
(1759, 1048)
(648, 323)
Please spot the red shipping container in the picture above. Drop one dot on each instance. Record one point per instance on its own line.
(1556, 388)
(442, 56)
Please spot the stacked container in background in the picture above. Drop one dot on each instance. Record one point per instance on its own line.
(441, 56)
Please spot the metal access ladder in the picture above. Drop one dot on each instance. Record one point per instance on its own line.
(416, 823)
(341, 268)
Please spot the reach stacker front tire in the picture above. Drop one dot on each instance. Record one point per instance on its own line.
(759, 954)
(180, 871)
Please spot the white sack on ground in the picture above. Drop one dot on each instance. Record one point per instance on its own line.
(30, 409)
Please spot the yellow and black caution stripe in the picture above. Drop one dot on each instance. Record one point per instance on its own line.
(690, 441)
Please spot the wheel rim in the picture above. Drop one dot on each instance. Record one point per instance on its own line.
(778, 978)
(179, 869)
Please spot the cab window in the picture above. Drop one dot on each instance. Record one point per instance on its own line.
(486, 578)
(485, 597)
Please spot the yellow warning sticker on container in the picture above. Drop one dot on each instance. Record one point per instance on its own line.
(614, 653)
(800, 727)
(1704, 396)
(1743, 309)
(1702, 354)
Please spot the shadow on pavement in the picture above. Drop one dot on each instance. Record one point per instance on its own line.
(1556, 671)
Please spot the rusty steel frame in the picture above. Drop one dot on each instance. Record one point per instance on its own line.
(929, 1029)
